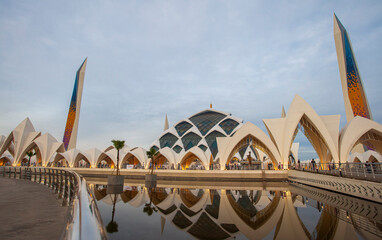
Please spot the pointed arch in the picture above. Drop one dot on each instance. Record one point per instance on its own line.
(194, 153)
(22, 137)
(360, 130)
(131, 159)
(248, 134)
(60, 161)
(105, 158)
(81, 156)
(5, 161)
(321, 131)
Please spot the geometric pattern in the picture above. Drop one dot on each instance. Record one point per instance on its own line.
(71, 128)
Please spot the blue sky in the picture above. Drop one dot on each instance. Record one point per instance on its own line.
(149, 58)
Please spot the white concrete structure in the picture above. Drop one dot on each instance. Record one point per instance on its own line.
(47, 145)
(321, 131)
(185, 144)
(22, 138)
(360, 130)
(248, 135)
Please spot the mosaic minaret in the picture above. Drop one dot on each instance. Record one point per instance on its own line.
(71, 129)
(355, 99)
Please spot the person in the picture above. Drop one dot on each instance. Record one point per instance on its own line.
(298, 164)
(367, 165)
(313, 164)
(279, 166)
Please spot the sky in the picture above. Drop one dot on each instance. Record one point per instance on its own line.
(147, 59)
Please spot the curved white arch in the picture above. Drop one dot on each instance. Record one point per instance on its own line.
(22, 137)
(199, 153)
(282, 130)
(227, 145)
(167, 153)
(7, 157)
(138, 152)
(71, 156)
(93, 155)
(353, 131)
(48, 146)
(104, 155)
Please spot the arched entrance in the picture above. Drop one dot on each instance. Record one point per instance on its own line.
(161, 162)
(35, 160)
(105, 162)
(5, 161)
(82, 162)
(191, 162)
(60, 162)
(130, 161)
(254, 143)
(308, 129)
(371, 140)
(372, 159)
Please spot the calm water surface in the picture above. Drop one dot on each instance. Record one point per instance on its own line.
(287, 211)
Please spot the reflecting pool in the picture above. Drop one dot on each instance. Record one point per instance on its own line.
(251, 211)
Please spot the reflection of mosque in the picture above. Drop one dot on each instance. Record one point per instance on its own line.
(222, 214)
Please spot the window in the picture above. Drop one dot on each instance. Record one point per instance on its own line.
(167, 140)
(206, 120)
(211, 141)
(190, 140)
(204, 148)
(228, 125)
(177, 148)
(182, 128)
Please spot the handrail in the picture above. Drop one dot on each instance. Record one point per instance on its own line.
(84, 220)
(362, 171)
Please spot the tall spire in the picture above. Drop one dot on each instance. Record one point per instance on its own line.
(71, 129)
(283, 113)
(165, 124)
(355, 99)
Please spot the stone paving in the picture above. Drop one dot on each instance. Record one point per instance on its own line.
(29, 210)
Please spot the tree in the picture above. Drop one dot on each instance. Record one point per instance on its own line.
(152, 154)
(118, 145)
(30, 155)
(148, 208)
(113, 226)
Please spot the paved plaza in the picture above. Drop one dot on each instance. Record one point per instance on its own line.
(30, 211)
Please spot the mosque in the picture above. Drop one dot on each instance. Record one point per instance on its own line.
(215, 140)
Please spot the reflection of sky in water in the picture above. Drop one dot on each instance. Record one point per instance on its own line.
(253, 213)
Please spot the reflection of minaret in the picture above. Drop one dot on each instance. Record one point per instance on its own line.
(356, 103)
(165, 124)
(71, 129)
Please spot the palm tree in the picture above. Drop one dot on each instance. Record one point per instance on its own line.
(148, 208)
(30, 154)
(118, 145)
(152, 154)
(113, 226)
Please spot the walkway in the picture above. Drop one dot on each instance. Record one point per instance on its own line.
(29, 211)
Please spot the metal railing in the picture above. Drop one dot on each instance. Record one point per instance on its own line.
(84, 220)
(362, 171)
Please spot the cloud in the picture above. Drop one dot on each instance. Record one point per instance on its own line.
(146, 59)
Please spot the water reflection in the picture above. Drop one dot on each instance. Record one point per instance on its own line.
(295, 212)
(112, 226)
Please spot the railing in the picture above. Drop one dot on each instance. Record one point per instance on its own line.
(362, 171)
(84, 220)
